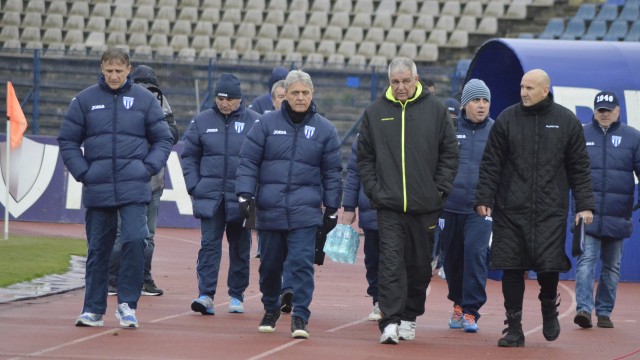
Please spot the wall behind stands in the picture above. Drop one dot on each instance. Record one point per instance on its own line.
(578, 71)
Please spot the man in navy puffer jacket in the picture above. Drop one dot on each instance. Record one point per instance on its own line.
(113, 139)
(289, 167)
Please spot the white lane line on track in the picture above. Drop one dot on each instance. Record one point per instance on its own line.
(566, 313)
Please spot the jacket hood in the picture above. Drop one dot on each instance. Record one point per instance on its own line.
(389, 94)
(144, 74)
(279, 73)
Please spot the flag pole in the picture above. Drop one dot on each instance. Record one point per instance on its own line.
(6, 172)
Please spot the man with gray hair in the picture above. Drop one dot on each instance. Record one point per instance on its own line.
(290, 166)
(407, 160)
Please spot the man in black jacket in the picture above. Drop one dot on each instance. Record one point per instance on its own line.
(407, 160)
(535, 153)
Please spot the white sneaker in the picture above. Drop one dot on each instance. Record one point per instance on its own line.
(407, 330)
(390, 335)
(127, 316)
(375, 314)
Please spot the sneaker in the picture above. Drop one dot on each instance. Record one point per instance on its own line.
(127, 316)
(583, 319)
(90, 319)
(235, 306)
(407, 330)
(441, 274)
(299, 328)
(203, 305)
(268, 323)
(149, 288)
(390, 335)
(469, 323)
(375, 314)
(604, 322)
(112, 290)
(285, 301)
(257, 256)
(455, 321)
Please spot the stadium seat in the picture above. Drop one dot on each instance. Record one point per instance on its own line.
(395, 36)
(264, 44)
(166, 13)
(171, 3)
(318, 18)
(343, 6)
(55, 50)
(575, 29)
(408, 7)
(332, 33)
(467, 23)
(311, 32)
(305, 47)
(149, 2)
(221, 43)
(233, 16)
(438, 37)
(142, 52)
(516, 10)
(34, 45)
(210, 14)
(12, 44)
(446, 22)
(473, 8)
(96, 23)
(607, 12)
(417, 36)
(347, 48)
(634, 32)
(451, 7)
(543, 3)
(314, 61)
(335, 61)
(586, 11)
(617, 31)
(321, 5)
(242, 44)
(30, 33)
(375, 34)
(255, 5)
(138, 25)
(145, 12)
(74, 22)
(354, 34)
(386, 7)
(52, 36)
(120, 25)
(96, 50)
(494, 9)
(247, 29)
(57, 7)
(207, 53)
(283, 46)
(116, 39)
(158, 40)
(364, 6)
(596, 31)
(36, 6)
(553, 30)
(290, 31)
(165, 52)
(293, 60)
(250, 57)
(272, 57)
(200, 42)
(299, 5)
(367, 48)
(179, 42)
(12, 18)
(458, 39)
(428, 53)
(358, 62)
(630, 13)
(275, 17)
(253, 16)
(404, 22)
(430, 7)
(225, 28)
(378, 62)
(124, 11)
(268, 31)
(77, 50)
(277, 5)
(204, 27)
(232, 5)
(425, 22)
(159, 26)
(189, 3)
(181, 27)
(215, 4)
(408, 50)
(53, 21)
(297, 17)
(137, 39)
(35, 20)
(361, 20)
(340, 19)
(13, 6)
(326, 47)
(189, 13)
(388, 50)
(103, 10)
(487, 26)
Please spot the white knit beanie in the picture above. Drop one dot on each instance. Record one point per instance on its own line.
(474, 89)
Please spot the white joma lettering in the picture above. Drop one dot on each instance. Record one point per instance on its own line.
(96, 107)
(279, 132)
(461, 136)
(211, 130)
(553, 127)
(590, 143)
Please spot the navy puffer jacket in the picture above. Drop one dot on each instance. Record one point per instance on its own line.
(614, 156)
(354, 196)
(210, 158)
(292, 168)
(125, 138)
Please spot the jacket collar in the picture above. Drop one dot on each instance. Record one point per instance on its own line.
(416, 95)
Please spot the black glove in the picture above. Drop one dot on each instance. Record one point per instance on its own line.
(321, 238)
(247, 205)
(329, 220)
(636, 207)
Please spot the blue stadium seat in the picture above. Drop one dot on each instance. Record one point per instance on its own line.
(634, 32)
(575, 30)
(597, 30)
(630, 13)
(553, 30)
(586, 12)
(617, 31)
(608, 12)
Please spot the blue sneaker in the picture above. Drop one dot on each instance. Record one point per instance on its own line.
(235, 306)
(455, 321)
(203, 305)
(469, 323)
(127, 316)
(90, 319)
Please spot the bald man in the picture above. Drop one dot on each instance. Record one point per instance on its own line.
(534, 155)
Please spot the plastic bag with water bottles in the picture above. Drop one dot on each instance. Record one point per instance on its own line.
(342, 244)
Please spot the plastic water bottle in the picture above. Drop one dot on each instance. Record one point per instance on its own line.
(345, 245)
(332, 246)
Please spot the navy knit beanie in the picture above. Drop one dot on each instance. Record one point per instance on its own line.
(228, 86)
(475, 89)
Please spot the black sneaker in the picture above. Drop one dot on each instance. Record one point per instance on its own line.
(604, 322)
(285, 301)
(583, 319)
(149, 288)
(268, 323)
(299, 328)
(113, 290)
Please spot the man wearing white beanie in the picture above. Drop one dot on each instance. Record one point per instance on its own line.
(465, 235)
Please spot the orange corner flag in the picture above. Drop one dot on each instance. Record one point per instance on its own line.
(16, 117)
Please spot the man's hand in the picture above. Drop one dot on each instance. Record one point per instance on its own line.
(348, 217)
(329, 220)
(247, 205)
(587, 215)
(483, 210)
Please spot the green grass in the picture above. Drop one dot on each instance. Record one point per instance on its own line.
(23, 258)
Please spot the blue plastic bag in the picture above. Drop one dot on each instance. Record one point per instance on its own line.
(342, 244)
